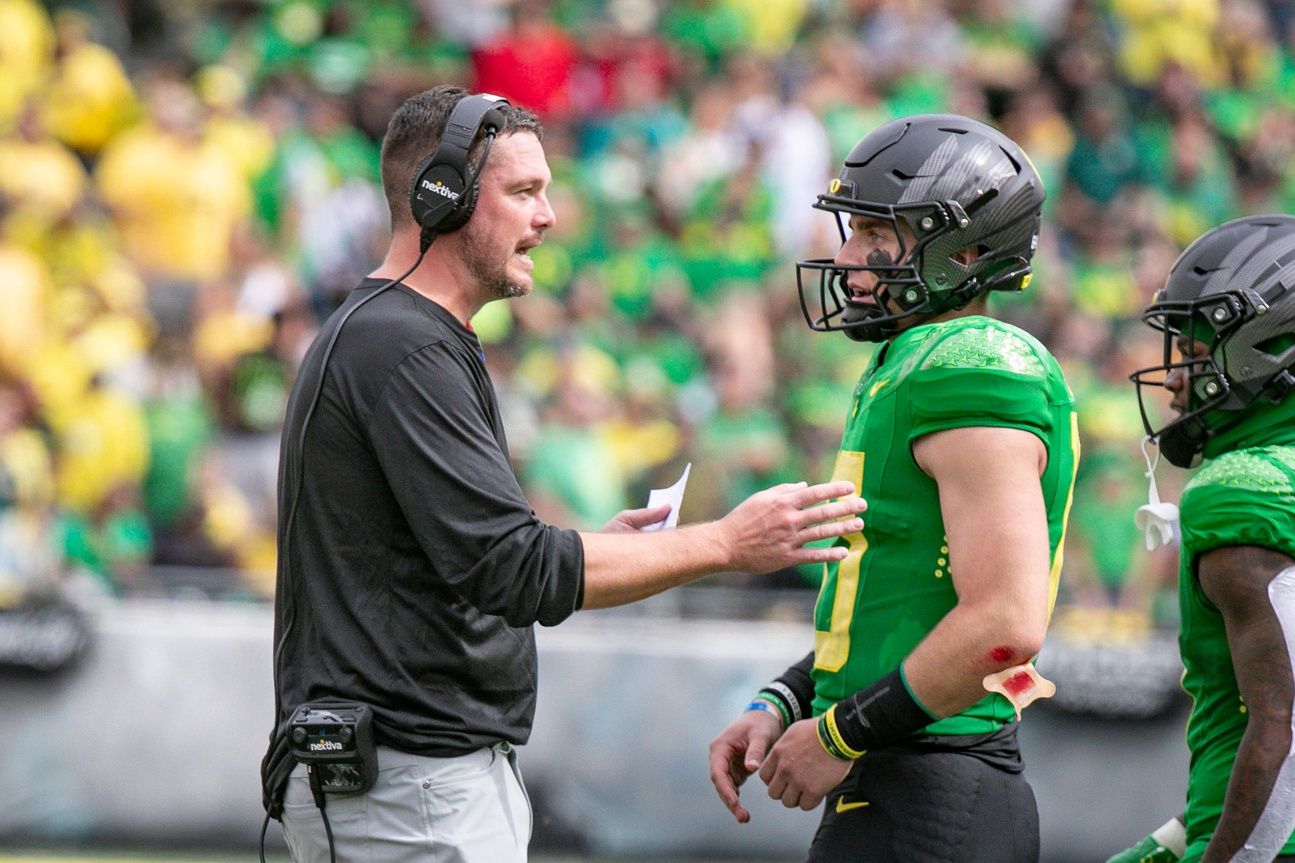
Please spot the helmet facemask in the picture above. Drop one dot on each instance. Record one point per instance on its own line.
(1221, 390)
(899, 292)
(1182, 439)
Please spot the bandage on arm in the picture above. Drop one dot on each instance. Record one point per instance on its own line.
(1021, 684)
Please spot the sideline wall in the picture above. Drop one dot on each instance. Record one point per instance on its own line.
(157, 735)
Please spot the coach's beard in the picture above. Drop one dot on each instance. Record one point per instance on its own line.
(489, 272)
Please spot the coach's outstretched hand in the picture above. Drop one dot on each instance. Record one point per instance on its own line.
(738, 752)
(766, 531)
(769, 529)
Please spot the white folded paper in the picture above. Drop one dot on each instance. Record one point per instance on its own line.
(673, 496)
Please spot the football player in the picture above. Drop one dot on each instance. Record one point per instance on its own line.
(1227, 312)
(962, 436)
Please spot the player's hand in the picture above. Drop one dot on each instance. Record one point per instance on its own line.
(630, 520)
(1166, 844)
(1149, 850)
(769, 529)
(737, 753)
(798, 771)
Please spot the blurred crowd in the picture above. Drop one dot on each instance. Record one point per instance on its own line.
(187, 188)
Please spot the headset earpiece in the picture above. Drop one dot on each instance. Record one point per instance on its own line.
(445, 187)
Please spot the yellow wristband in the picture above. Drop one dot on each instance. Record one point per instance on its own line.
(834, 735)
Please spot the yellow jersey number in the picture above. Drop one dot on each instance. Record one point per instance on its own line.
(832, 648)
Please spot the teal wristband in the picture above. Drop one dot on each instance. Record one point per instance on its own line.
(760, 704)
(763, 697)
(780, 696)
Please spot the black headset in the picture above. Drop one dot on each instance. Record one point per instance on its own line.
(445, 187)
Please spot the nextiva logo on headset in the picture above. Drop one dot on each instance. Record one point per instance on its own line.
(445, 187)
(439, 188)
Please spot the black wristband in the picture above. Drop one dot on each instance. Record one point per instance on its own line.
(883, 713)
(794, 689)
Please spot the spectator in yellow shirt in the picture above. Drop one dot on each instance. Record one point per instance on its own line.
(26, 53)
(90, 99)
(175, 198)
(37, 173)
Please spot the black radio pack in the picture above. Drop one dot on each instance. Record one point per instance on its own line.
(336, 743)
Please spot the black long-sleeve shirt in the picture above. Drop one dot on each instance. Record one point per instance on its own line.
(413, 568)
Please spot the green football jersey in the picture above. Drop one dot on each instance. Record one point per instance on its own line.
(1244, 497)
(894, 586)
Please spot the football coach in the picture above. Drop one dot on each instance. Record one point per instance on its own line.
(411, 568)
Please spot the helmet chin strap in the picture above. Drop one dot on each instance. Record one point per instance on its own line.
(962, 296)
(867, 330)
(1183, 444)
(864, 328)
(859, 324)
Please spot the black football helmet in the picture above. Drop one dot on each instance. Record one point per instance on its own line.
(956, 184)
(1233, 289)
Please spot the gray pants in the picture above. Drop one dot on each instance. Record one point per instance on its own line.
(468, 809)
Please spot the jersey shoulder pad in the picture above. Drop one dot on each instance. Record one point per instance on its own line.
(1248, 470)
(1243, 497)
(987, 345)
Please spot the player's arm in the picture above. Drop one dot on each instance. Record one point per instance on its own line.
(767, 531)
(997, 529)
(1254, 589)
(792, 692)
(997, 526)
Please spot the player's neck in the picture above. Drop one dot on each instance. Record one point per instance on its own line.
(977, 307)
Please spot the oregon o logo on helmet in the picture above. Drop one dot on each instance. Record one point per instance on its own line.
(834, 187)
